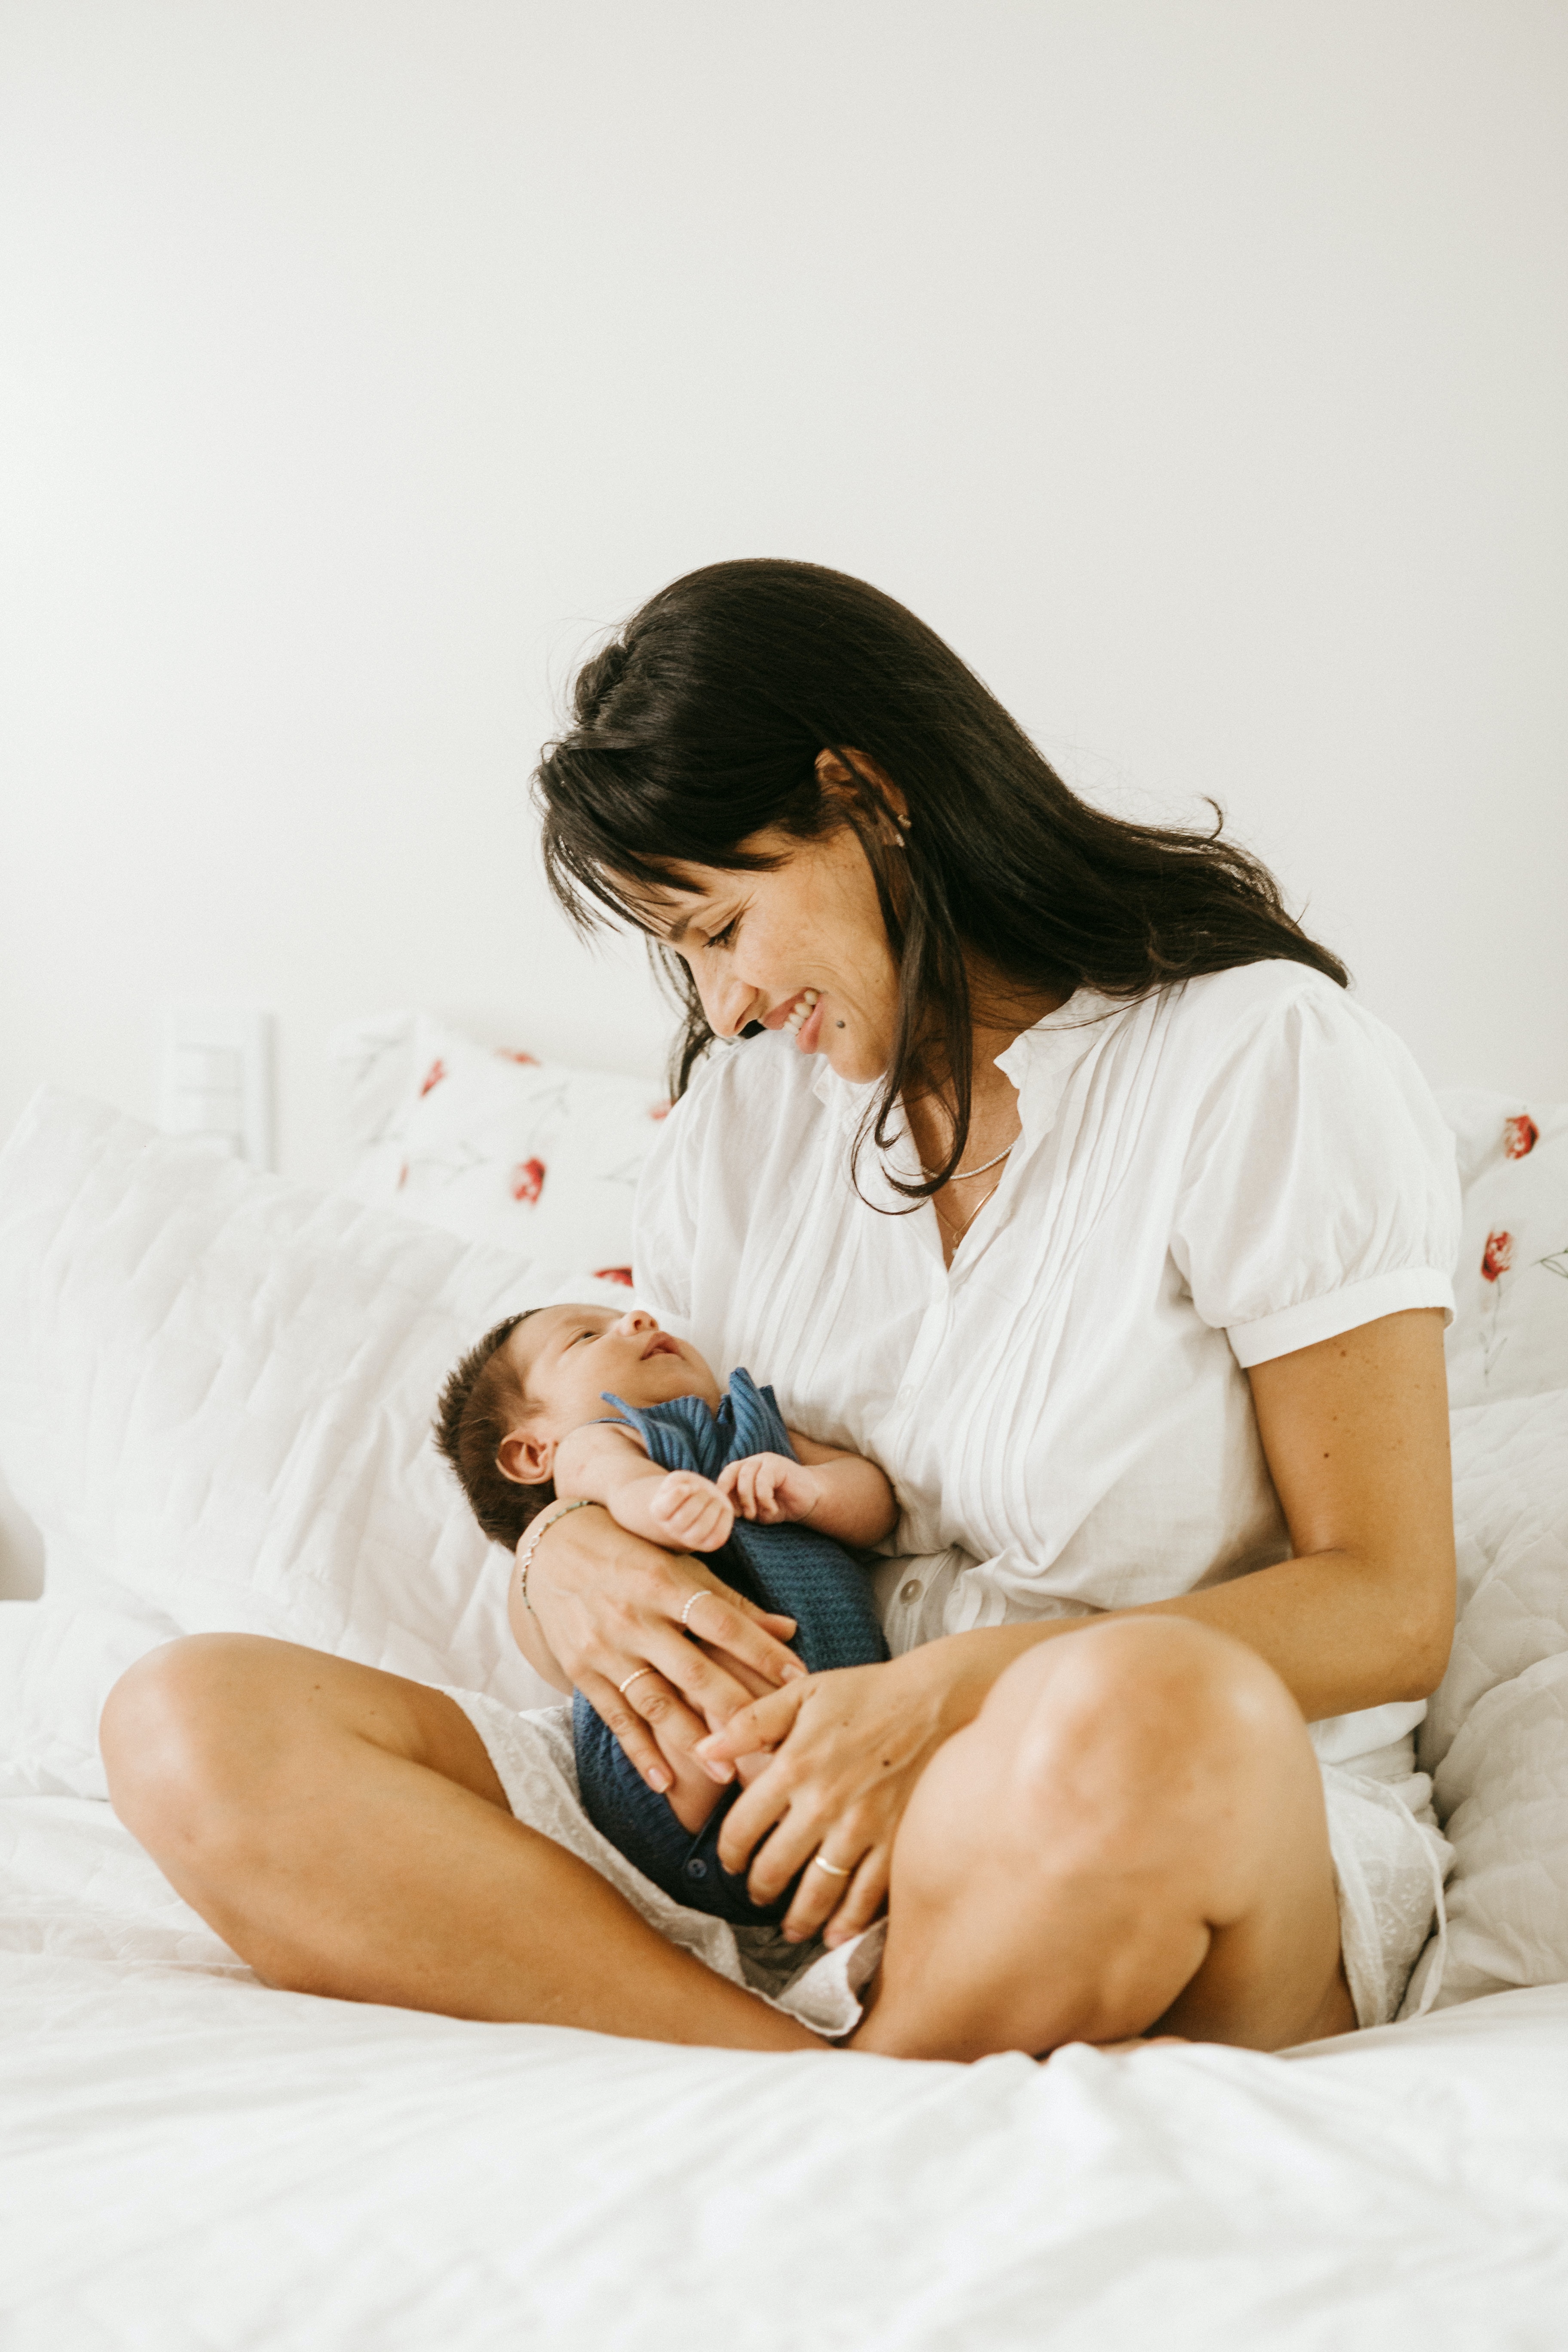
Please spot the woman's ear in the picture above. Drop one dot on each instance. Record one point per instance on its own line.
(832, 773)
(526, 1458)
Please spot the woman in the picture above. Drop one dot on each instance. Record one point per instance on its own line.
(1071, 1188)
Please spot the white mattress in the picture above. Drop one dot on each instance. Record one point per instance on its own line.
(189, 2160)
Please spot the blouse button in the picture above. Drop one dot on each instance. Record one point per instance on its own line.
(695, 1869)
(911, 1590)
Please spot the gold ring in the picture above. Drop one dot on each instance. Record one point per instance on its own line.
(832, 1868)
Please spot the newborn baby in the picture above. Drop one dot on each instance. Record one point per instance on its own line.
(522, 1423)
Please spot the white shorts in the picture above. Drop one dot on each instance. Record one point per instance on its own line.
(1390, 1860)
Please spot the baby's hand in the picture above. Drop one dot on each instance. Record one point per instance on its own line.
(691, 1511)
(770, 1487)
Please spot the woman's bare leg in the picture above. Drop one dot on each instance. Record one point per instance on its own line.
(1131, 1833)
(345, 1832)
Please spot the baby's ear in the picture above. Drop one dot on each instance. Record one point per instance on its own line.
(526, 1458)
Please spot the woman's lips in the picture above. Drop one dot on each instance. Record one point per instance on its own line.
(805, 1018)
(810, 1029)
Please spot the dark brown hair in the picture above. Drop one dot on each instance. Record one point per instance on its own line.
(701, 724)
(479, 1408)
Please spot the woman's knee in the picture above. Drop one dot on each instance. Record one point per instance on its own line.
(178, 1727)
(208, 1742)
(1125, 1722)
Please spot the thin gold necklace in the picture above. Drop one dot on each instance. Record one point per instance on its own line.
(956, 1233)
(960, 1174)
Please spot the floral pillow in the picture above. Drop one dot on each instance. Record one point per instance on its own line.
(494, 1144)
(1510, 1336)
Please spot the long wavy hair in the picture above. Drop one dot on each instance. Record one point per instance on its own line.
(699, 724)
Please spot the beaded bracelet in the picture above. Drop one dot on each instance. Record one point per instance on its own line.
(525, 1556)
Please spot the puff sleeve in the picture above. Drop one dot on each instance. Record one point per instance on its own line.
(1318, 1191)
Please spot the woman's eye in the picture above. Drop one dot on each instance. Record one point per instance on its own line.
(726, 937)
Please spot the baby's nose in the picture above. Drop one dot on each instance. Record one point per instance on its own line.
(634, 1320)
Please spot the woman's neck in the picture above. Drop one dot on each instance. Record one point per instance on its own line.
(994, 1098)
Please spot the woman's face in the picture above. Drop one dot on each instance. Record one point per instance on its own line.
(759, 944)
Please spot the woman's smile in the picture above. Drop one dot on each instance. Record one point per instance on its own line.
(805, 1014)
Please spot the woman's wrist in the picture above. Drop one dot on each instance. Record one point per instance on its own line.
(965, 1668)
(533, 1534)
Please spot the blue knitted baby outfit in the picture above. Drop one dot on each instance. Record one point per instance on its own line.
(789, 1568)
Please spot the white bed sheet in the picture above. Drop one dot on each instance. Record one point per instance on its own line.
(188, 2159)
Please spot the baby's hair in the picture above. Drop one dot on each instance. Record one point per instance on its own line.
(479, 1408)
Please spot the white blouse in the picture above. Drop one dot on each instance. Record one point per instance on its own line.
(1212, 1176)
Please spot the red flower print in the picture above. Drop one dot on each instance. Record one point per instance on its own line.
(432, 1078)
(528, 1181)
(613, 1273)
(1497, 1256)
(1520, 1136)
(507, 1053)
(661, 1111)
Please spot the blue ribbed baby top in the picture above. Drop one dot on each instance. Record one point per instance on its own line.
(790, 1568)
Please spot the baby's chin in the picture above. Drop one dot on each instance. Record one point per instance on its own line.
(662, 1379)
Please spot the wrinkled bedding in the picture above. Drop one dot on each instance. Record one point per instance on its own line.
(189, 2160)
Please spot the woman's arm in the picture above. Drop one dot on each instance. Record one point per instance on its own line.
(1355, 1431)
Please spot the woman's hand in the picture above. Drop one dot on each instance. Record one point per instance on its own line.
(656, 1644)
(849, 1750)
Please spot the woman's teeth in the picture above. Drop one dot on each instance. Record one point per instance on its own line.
(806, 1006)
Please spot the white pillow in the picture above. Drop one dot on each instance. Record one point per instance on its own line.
(1510, 1334)
(496, 1145)
(1511, 1528)
(1496, 1734)
(216, 1396)
(1502, 1791)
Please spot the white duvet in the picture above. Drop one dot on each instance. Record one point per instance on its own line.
(213, 1390)
(189, 2160)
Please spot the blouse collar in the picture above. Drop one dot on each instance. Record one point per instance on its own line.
(1041, 1060)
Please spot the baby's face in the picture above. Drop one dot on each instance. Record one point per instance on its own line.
(567, 1357)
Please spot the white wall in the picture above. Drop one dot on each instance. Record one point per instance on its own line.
(1197, 366)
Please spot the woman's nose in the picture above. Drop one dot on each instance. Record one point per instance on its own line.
(729, 1003)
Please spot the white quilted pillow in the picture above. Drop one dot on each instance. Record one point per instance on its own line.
(1511, 1525)
(496, 1145)
(1496, 1734)
(215, 1394)
(1502, 1793)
